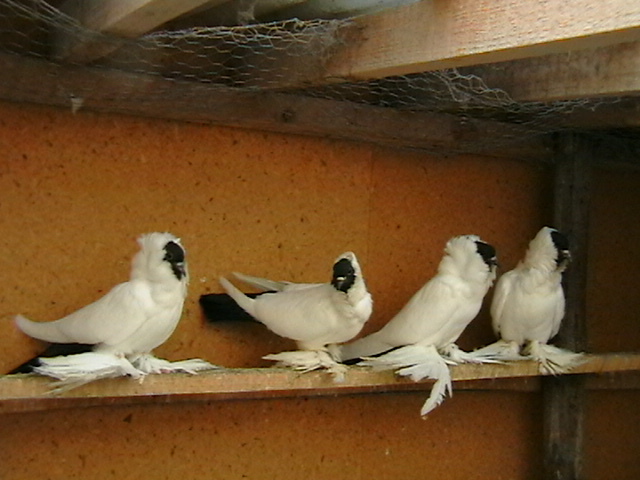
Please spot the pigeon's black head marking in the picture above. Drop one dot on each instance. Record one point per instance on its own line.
(561, 242)
(343, 275)
(487, 252)
(174, 254)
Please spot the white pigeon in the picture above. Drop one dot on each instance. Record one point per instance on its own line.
(528, 306)
(317, 316)
(428, 326)
(126, 324)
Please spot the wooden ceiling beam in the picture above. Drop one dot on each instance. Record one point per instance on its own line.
(153, 96)
(439, 34)
(118, 18)
(613, 70)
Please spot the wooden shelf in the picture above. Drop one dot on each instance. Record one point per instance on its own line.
(24, 393)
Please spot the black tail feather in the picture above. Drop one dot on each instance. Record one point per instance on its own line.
(54, 350)
(351, 361)
(220, 307)
(354, 361)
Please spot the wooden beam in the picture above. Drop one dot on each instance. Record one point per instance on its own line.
(311, 9)
(614, 381)
(30, 392)
(564, 398)
(606, 71)
(574, 164)
(439, 34)
(615, 151)
(117, 18)
(618, 114)
(233, 12)
(288, 61)
(152, 96)
(32, 80)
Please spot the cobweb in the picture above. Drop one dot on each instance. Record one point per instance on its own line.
(286, 56)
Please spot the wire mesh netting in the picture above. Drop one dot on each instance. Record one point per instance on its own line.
(239, 57)
(287, 56)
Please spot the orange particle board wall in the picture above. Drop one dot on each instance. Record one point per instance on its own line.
(76, 190)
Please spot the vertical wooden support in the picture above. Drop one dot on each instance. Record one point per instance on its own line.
(564, 397)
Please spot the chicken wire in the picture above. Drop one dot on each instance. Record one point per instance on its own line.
(263, 57)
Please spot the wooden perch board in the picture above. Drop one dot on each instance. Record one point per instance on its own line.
(21, 393)
(438, 34)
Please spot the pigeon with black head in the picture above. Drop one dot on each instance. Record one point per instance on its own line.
(115, 335)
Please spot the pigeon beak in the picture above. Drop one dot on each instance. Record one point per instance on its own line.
(339, 281)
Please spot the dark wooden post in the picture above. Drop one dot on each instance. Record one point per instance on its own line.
(564, 397)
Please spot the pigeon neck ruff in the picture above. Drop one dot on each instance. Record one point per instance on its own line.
(161, 260)
(464, 259)
(544, 254)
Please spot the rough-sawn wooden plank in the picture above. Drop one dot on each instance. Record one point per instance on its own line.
(30, 393)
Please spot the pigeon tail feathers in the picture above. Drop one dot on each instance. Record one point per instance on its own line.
(261, 283)
(246, 303)
(220, 307)
(47, 331)
(73, 371)
(418, 362)
(364, 347)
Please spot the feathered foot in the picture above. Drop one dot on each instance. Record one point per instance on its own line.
(498, 352)
(73, 371)
(148, 363)
(417, 362)
(553, 360)
(309, 360)
(453, 355)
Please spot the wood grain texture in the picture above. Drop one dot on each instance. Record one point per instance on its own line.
(28, 392)
(438, 34)
(606, 71)
(565, 401)
(130, 18)
(120, 18)
(133, 94)
(349, 437)
(278, 206)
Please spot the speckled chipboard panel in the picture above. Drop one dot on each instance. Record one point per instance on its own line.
(76, 190)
